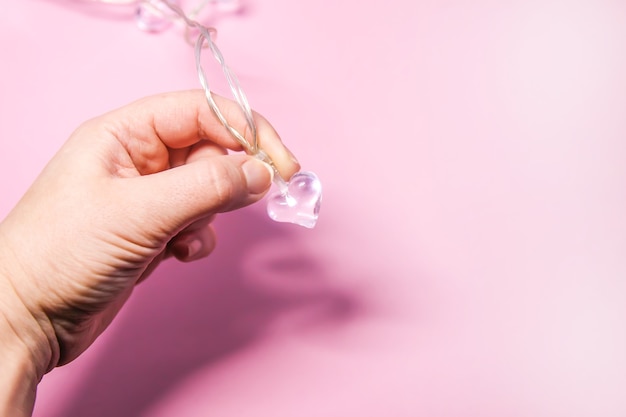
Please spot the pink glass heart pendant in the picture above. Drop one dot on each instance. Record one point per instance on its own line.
(299, 203)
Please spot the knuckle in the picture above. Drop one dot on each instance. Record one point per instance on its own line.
(222, 183)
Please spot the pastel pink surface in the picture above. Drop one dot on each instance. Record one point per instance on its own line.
(470, 255)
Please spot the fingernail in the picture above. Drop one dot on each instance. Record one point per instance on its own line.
(258, 174)
(187, 249)
(292, 157)
(193, 248)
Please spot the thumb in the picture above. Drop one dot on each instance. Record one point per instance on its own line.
(174, 198)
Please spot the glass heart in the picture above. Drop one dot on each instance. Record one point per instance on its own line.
(299, 203)
(154, 16)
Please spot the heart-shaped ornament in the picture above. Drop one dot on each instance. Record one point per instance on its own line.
(299, 203)
(154, 16)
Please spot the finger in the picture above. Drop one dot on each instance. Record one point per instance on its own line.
(194, 227)
(177, 197)
(198, 228)
(151, 266)
(182, 119)
(193, 245)
(200, 150)
(284, 161)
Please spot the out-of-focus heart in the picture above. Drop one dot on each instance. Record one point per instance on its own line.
(154, 16)
(300, 203)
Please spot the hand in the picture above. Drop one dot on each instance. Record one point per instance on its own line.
(127, 190)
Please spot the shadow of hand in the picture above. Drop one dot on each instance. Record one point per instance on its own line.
(193, 315)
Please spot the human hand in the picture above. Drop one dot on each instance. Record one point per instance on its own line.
(127, 190)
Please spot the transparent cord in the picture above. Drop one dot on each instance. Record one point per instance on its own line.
(205, 39)
(297, 200)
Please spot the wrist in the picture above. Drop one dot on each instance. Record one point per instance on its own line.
(19, 375)
(25, 332)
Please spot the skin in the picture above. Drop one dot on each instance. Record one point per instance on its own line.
(126, 191)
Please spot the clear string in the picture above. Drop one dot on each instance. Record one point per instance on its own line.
(204, 38)
(235, 87)
(233, 82)
(201, 5)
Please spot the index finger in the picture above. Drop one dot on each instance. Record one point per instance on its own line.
(182, 119)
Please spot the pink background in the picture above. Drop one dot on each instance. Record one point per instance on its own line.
(470, 259)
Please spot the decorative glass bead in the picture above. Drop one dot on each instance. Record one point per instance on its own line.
(154, 16)
(299, 203)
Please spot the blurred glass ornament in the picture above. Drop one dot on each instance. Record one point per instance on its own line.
(154, 16)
